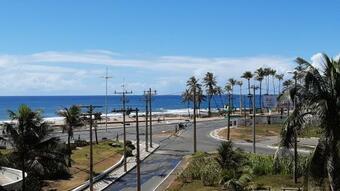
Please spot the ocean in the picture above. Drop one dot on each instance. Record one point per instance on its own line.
(161, 103)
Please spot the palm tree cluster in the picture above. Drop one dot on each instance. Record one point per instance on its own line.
(315, 94)
(213, 89)
(35, 152)
(39, 155)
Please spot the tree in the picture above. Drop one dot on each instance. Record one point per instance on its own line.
(248, 75)
(97, 117)
(240, 83)
(266, 76)
(272, 73)
(317, 98)
(232, 83)
(34, 151)
(260, 73)
(72, 120)
(210, 85)
(193, 86)
(228, 89)
(187, 98)
(280, 78)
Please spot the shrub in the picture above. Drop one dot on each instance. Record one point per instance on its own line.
(80, 143)
(130, 145)
(210, 173)
(260, 164)
(228, 158)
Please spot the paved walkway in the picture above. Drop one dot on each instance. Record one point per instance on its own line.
(119, 172)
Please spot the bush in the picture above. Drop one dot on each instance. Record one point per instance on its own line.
(81, 143)
(129, 144)
(210, 173)
(202, 167)
(128, 152)
(261, 164)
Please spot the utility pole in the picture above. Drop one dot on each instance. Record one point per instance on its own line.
(89, 116)
(129, 110)
(150, 93)
(146, 119)
(195, 143)
(137, 154)
(123, 93)
(254, 120)
(106, 77)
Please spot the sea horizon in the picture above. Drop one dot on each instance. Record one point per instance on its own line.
(50, 104)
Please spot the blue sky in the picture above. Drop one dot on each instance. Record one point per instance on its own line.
(62, 47)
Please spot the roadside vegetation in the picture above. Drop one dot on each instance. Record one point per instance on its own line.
(231, 169)
(104, 156)
(48, 162)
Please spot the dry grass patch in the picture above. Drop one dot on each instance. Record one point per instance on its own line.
(104, 156)
(245, 133)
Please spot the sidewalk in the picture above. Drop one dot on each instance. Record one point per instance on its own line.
(119, 171)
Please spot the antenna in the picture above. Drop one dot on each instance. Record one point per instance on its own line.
(106, 77)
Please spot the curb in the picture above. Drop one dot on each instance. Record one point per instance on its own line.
(100, 176)
(167, 176)
(132, 167)
(109, 170)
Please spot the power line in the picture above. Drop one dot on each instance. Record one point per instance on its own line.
(124, 100)
(89, 116)
(150, 93)
(128, 111)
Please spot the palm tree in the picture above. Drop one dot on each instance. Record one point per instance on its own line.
(260, 73)
(317, 98)
(248, 75)
(228, 89)
(187, 98)
(280, 78)
(272, 74)
(194, 86)
(72, 120)
(240, 83)
(200, 98)
(232, 83)
(219, 92)
(210, 85)
(266, 75)
(33, 148)
(97, 117)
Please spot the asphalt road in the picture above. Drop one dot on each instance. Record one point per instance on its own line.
(172, 149)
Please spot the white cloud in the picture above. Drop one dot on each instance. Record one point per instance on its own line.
(55, 72)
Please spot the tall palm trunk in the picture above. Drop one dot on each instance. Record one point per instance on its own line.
(241, 101)
(95, 133)
(279, 87)
(273, 80)
(69, 147)
(188, 106)
(267, 81)
(249, 96)
(261, 96)
(232, 99)
(209, 105)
